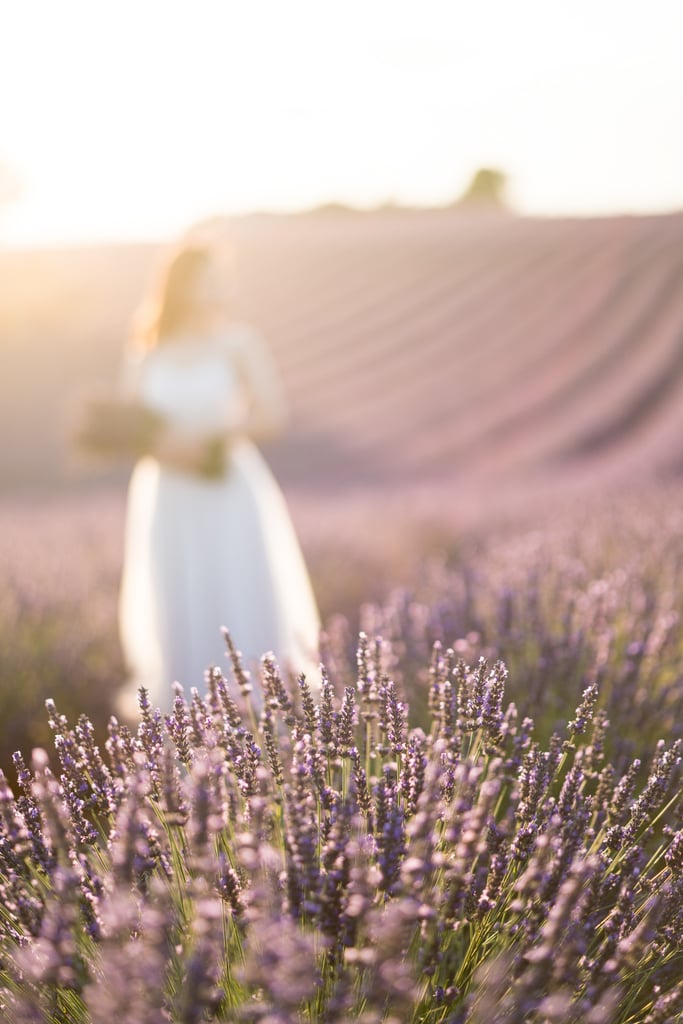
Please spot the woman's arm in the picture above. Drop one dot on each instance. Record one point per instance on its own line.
(268, 410)
(203, 454)
(265, 414)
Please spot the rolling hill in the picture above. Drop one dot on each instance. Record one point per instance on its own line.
(416, 347)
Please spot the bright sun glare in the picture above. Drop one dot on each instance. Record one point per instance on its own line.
(133, 119)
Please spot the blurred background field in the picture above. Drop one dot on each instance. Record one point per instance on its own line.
(485, 438)
(416, 347)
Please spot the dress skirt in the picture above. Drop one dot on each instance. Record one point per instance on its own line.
(204, 553)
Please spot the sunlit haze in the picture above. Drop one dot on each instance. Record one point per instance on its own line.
(133, 119)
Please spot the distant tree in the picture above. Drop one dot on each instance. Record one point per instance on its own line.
(486, 188)
(333, 208)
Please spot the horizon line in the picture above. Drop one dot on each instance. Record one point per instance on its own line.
(331, 207)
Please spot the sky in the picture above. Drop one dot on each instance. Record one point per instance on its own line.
(133, 119)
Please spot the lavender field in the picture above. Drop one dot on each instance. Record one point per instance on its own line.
(480, 817)
(361, 856)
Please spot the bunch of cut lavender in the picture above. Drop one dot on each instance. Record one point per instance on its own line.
(322, 860)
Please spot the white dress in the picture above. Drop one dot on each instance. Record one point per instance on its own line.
(201, 553)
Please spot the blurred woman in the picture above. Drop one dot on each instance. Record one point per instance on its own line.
(209, 541)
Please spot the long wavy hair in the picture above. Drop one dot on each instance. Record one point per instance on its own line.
(171, 307)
